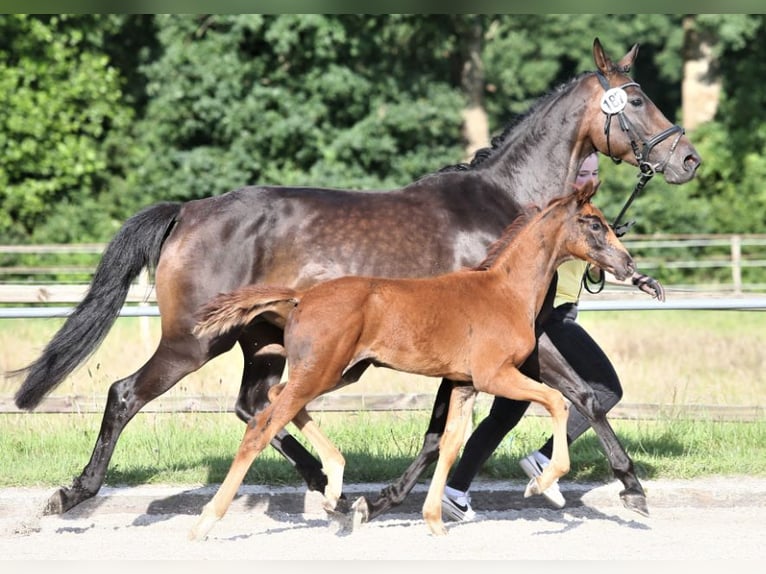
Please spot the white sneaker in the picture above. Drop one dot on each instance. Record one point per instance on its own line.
(533, 465)
(456, 505)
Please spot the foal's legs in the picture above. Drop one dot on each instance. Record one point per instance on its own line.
(511, 383)
(557, 372)
(264, 363)
(395, 493)
(460, 410)
(333, 462)
(259, 433)
(126, 397)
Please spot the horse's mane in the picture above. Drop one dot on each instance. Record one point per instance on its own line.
(482, 154)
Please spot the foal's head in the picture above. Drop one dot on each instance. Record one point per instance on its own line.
(590, 237)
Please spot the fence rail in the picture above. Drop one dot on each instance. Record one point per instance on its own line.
(344, 403)
(75, 263)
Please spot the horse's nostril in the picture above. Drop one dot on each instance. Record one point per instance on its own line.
(692, 162)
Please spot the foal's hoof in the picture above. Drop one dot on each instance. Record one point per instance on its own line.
(437, 528)
(635, 502)
(361, 510)
(532, 488)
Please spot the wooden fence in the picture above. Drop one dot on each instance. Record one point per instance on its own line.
(340, 403)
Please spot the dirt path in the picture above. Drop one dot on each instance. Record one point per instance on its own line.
(690, 520)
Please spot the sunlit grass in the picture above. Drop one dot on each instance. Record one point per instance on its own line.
(49, 450)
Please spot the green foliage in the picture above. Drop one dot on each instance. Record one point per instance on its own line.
(312, 99)
(734, 145)
(59, 100)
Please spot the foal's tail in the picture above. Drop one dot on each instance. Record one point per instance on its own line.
(136, 245)
(238, 308)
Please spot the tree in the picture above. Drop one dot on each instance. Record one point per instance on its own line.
(343, 101)
(59, 101)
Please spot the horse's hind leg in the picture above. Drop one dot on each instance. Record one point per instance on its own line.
(395, 493)
(264, 363)
(125, 398)
(558, 373)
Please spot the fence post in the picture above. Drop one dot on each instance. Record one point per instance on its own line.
(736, 263)
(146, 335)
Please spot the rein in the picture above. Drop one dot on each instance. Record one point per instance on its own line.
(613, 104)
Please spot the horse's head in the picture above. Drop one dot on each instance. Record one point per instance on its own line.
(626, 125)
(590, 237)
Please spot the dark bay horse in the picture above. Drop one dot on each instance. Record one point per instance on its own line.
(474, 327)
(297, 236)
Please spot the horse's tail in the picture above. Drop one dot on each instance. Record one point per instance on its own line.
(237, 308)
(135, 246)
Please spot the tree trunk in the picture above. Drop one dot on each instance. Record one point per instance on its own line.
(475, 121)
(701, 87)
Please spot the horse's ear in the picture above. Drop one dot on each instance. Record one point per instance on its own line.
(627, 60)
(603, 63)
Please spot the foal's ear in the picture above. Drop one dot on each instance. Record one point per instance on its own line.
(604, 63)
(586, 191)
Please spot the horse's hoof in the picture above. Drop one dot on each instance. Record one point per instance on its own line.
(342, 506)
(532, 488)
(635, 502)
(57, 503)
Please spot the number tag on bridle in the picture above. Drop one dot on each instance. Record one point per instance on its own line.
(613, 101)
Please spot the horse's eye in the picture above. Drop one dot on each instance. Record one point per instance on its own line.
(595, 226)
(636, 102)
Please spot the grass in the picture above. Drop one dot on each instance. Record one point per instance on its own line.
(665, 357)
(49, 450)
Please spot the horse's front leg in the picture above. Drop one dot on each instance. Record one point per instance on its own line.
(558, 373)
(459, 414)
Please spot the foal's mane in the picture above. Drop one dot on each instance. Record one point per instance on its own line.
(497, 246)
(509, 233)
(482, 154)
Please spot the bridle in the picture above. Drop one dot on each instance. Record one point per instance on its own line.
(613, 104)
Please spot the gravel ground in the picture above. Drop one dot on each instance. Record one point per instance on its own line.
(718, 518)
